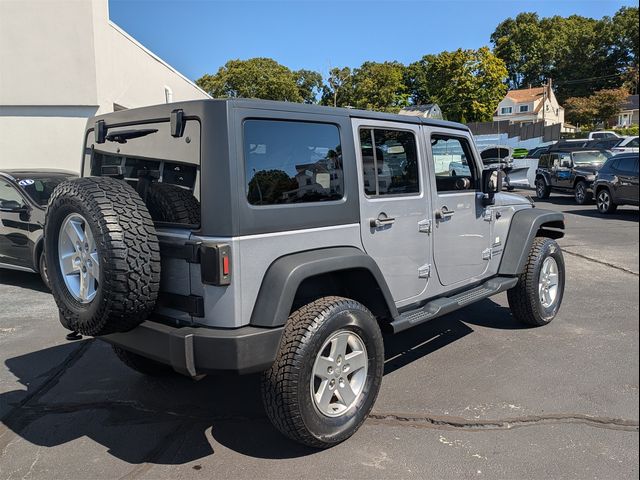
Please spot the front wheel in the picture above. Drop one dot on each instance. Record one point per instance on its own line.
(542, 189)
(605, 202)
(327, 373)
(582, 194)
(42, 269)
(536, 298)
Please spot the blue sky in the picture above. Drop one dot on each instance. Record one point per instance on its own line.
(198, 37)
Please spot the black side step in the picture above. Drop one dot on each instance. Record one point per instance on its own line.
(441, 306)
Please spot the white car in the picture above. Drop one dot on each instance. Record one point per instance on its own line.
(627, 145)
(601, 134)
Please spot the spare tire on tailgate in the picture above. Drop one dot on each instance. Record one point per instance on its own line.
(171, 203)
(102, 255)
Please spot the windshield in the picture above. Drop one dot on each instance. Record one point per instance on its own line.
(39, 189)
(585, 158)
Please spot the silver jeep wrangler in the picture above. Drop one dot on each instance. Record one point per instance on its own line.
(254, 236)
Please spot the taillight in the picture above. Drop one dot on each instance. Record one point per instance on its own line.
(215, 264)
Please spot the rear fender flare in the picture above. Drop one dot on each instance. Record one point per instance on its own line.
(284, 276)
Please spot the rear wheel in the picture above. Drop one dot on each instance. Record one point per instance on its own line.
(42, 269)
(581, 193)
(537, 297)
(542, 189)
(327, 373)
(605, 203)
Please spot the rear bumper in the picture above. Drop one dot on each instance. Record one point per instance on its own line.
(198, 350)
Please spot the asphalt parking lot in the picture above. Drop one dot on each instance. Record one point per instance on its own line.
(470, 395)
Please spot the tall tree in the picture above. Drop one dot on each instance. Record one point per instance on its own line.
(254, 78)
(582, 55)
(309, 85)
(602, 106)
(379, 86)
(466, 84)
(338, 91)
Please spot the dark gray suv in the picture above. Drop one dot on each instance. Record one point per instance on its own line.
(617, 183)
(254, 236)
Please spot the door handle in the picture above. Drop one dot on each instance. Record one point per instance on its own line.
(444, 213)
(381, 221)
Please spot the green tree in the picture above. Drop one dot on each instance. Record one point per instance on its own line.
(267, 187)
(254, 78)
(309, 85)
(602, 106)
(607, 103)
(338, 91)
(467, 84)
(580, 110)
(379, 86)
(582, 55)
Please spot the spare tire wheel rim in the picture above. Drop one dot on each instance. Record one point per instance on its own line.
(78, 258)
(339, 373)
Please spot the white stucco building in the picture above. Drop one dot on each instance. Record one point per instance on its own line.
(62, 61)
(529, 105)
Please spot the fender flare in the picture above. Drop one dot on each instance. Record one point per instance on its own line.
(285, 274)
(525, 226)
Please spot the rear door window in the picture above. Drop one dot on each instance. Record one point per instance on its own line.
(290, 162)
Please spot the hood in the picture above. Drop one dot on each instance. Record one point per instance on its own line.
(504, 199)
(588, 169)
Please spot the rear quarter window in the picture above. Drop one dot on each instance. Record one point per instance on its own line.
(288, 162)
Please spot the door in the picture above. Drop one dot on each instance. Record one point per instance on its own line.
(562, 168)
(627, 172)
(394, 209)
(15, 246)
(462, 233)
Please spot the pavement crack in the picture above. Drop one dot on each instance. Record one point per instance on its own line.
(600, 262)
(456, 423)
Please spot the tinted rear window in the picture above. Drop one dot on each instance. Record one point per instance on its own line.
(40, 188)
(292, 162)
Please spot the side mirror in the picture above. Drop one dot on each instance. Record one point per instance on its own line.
(491, 184)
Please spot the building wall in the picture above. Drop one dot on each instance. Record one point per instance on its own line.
(62, 61)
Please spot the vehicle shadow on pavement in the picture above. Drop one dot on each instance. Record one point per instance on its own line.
(623, 213)
(173, 420)
(28, 280)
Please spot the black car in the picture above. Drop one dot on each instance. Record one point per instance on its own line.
(617, 183)
(23, 199)
(569, 171)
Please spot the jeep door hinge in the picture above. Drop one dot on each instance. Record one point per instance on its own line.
(487, 254)
(488, 215)
(424, 271)
(424, 226)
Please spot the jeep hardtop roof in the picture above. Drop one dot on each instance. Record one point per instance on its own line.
(192, 107)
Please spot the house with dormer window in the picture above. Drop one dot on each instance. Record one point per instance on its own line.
(530, 105)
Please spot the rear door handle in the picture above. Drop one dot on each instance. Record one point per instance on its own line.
(381, 221)
(443, 213)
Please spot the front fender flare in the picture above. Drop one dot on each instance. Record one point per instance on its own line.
(525, 226)
(284, 276)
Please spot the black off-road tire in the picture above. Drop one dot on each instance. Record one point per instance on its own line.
(141, 364)
(524, 299)
(604, 202)
(543, 190)
(581, 195)
(286, 389)
(170, 203)
(127, 247)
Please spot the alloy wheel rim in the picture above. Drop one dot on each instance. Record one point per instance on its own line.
(603, 200)
(339, 373)
(78, 258)
(540, 188)
(580, 192)
(548, 282)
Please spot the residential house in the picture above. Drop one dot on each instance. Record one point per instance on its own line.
(530, 105)
(628, 114)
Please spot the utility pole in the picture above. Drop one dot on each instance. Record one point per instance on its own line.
(544, 101)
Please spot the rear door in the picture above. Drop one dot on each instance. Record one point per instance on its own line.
(15, 244)
(562, 170)
(627, 170)
(462, 225)
(394, 209)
